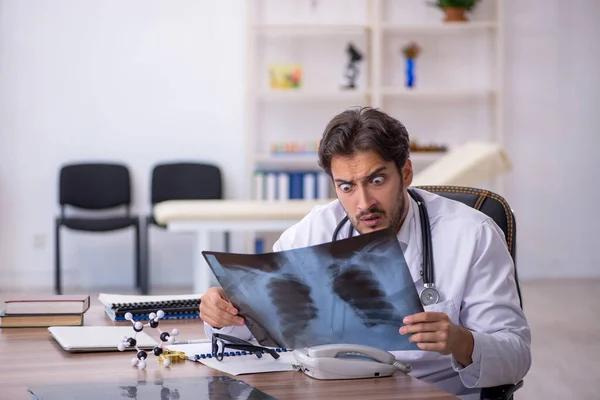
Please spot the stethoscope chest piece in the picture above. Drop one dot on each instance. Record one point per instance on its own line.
(429, 296)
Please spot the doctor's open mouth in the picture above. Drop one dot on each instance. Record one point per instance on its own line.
(372, 220)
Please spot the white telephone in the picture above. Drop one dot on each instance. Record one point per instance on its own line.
(347, 361)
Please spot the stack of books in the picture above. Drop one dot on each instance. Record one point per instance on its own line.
(44, 311)
(174, 306)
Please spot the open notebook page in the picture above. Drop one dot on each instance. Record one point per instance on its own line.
(239, 364)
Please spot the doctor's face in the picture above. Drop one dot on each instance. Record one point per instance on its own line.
(371, 190)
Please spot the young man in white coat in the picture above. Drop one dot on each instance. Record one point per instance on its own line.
(476, 335)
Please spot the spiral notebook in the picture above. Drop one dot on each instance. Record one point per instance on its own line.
(175, 306)
(236, 362)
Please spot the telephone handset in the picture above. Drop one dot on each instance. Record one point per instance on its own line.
(347, 361)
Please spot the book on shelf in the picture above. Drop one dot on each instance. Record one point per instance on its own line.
(49, 304)
(289, 185)
(183, 306)
(39, 320)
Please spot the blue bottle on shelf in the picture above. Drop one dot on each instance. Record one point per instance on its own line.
(410, 72)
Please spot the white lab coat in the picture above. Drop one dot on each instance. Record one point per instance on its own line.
(473, 272)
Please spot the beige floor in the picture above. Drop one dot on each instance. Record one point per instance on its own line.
(565, 322)
(565, 327)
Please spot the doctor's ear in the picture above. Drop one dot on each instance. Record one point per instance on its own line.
(407, 173)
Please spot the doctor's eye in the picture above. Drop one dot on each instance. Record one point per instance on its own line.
(378, 180)
(345, 187)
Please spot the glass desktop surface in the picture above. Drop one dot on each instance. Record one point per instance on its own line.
(205, 387)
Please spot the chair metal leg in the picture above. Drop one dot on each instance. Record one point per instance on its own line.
(57, 283)
(145, 249)
(139, 264)
(227, 242)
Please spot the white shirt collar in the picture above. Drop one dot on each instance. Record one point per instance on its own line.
(404, 232)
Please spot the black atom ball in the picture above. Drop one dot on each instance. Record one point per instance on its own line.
(141, 355)
(157, 351)
(131, 342)
(153, 323)
(164, 336)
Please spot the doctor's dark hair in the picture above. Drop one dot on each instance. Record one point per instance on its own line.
(364, 129)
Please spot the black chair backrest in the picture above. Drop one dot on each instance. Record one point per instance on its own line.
(491, 204)
(186, 181)
(94, 186)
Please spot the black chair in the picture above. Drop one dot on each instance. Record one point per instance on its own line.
(95, 187)
(497, 208)
(180, 181)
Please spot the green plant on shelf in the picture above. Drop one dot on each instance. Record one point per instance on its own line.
(455, 9)
(467, 5)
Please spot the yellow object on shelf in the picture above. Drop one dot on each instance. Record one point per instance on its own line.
(285, 76)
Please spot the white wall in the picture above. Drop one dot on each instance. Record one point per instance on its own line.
(143, 81)
(132, 81)
(553, 135)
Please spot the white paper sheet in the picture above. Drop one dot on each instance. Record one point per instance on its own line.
(237, 365)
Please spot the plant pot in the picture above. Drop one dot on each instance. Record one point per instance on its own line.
(455, 14)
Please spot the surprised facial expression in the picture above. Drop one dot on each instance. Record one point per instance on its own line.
(371, 190)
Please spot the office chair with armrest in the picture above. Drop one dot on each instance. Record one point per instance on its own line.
(497, 208)
(180, 181)
(95, 187)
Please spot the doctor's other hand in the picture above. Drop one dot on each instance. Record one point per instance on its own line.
(217, 311)
(433, 331)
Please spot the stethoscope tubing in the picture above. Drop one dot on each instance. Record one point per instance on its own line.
(429, 295)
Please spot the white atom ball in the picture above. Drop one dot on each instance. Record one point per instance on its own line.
(152, 315)
(128, 316)
(167, 363)
(142, 365)
(134, 361)
(121, 346)
(160, 313)
(175, 332)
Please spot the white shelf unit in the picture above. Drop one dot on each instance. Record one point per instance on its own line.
(459, 74)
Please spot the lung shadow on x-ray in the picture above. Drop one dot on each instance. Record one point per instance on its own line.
(293, 302)
(361, 291)
(355, 290)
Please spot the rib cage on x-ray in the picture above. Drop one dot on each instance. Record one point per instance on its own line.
(355, 290)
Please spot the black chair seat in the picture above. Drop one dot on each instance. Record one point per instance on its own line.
(98, 225)
(150, 220)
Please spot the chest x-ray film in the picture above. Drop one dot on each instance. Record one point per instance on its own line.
(356, 290)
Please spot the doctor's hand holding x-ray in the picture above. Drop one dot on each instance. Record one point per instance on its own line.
(476, 335)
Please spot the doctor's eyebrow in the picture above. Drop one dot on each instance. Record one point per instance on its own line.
(372, 175)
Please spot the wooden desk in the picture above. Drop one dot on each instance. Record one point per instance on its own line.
(30, 356)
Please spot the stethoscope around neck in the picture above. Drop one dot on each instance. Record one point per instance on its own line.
(429, 295)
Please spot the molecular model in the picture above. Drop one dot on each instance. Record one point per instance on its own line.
(165, 337)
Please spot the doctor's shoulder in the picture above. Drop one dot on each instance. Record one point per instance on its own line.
(315, 228)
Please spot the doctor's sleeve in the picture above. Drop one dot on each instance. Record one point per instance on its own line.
(491, 311)
(243, 332)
